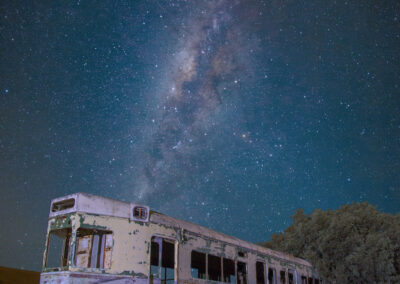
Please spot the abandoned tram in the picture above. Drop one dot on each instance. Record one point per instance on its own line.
(91, 239)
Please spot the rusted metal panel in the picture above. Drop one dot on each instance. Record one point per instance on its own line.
(86, 278)
(108, 251)
(82, 254)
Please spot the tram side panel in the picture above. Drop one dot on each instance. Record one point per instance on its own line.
(130, 256)
(203, 259)
(128, 243)
(196, 252)
(197, 256)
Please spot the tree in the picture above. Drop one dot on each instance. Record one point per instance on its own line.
(354, 244)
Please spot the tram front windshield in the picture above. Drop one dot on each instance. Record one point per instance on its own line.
(58, 248)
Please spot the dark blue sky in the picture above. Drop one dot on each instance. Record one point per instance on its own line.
(229, 114)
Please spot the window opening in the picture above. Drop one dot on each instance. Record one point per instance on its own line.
(214, 267)
(282, 277)
(242, 254)
(229, 271)
(316, 281)
(271, 276)
(167, 262)
(198, 265)
(140, 212)
(310, 280)
(154, 258)
(93, 248)
(63, 205)
(291, 281)
(241, 272)
(58, 248)
(303, 280)
(162, 267)
(260, 275)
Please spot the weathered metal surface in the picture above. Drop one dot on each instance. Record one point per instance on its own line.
(127, 249)
(86, 278)
(83, 251)
(93, 204)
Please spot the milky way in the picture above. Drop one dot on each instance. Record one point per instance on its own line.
(202, 81)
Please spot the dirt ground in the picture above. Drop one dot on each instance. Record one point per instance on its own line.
(18, 276)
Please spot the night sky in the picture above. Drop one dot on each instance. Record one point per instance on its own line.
(228, 114)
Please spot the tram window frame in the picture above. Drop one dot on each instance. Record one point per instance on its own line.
(63, 205)
(214, 271)
(164, 264)
(282, 277)
(228, 267)
(271, 275)
(168, 254)
(93, 248)
(58, 247)
(140, 213)
(200, 268)
(245, 274)
(260, 272)
(154, 257)
(290, 277)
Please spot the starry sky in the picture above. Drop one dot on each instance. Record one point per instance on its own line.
(227, 113)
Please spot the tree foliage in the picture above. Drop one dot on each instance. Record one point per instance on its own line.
(354, 244)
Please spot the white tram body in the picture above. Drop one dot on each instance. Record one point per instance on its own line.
(91, 239)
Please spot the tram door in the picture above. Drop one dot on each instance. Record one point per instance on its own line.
(162, 261)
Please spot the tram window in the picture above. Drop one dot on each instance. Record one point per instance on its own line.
(291, 281)
(140, 212)
(283, 277)
(58, 248)
(168, 250)
(167, 262)
(241, 273)
(303, 280)
(154, 258)
(260, 272)
(162, 265)
(229, 271)
(198, 266)
(214, 267)
(63, 205)
(271, 276)
(93, 248)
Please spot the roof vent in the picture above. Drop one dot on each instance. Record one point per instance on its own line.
(140, 213)
(63, 205)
